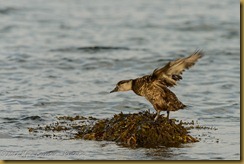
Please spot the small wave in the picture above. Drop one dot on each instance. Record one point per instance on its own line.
(4, 135)
(32, 118)
(95, 49)
(195, 26)
(9, 118)
(7, 10)
(98, 48)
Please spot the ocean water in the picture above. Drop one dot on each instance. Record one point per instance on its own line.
(63, 57)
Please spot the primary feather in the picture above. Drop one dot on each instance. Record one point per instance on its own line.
(171, 72)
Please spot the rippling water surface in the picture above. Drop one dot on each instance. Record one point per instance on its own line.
(63, 58)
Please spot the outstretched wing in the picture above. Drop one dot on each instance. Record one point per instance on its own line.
(171, 72)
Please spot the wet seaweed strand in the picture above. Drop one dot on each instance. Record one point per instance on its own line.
(138, 130)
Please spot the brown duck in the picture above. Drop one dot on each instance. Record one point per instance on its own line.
(154, 87)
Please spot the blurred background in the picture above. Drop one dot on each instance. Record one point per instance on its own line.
(63, 57)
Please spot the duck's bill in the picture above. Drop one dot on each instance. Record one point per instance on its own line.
(114, 90)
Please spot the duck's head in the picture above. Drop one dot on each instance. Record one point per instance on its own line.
(123, 85)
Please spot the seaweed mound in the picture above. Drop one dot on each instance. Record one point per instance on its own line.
(137, 130)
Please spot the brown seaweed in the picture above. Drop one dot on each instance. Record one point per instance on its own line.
(130, 130)
(138, 130)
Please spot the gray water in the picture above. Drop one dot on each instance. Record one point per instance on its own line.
(63, 57)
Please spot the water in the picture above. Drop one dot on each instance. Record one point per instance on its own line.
(63, 57)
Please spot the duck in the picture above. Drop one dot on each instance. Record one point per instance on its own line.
(155, 87)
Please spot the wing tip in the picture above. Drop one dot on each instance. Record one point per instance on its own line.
(199, 52)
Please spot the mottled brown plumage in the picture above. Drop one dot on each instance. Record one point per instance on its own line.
(154, 87)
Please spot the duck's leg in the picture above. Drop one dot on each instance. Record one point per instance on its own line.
(158, 114)
(168, 115)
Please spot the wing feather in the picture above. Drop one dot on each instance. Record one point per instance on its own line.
(172, 71)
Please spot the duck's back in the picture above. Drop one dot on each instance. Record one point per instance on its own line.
(159, 96)
(139, 85)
